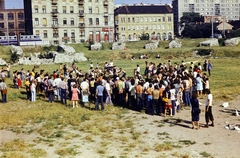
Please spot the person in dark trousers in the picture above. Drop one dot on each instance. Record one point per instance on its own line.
(208, 110)
(99, 96)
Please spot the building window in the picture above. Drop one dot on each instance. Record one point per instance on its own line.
(150, 19)
(44, 9)
(146, 19)
(163, 18)
(72, 34)
(90, 21)
(36, 22)
(55, 21)
(128, 19)
(169, 18)
(10, 16)
(97, 10)
(20, 16)
(133, 20)
(55, 33)
(64, 21)
(90, 10)
(97, 21)
(35, 9)
(71, 9)
(44, 22)
(21, 25)
(44, 33)
(65, 33)
(1, 17)
(159, 19)
(37, 32)
(64, 9)
(1, 25)
(72, 21)
(105, 20)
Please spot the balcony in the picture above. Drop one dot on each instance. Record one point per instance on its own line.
(80, 2)
(105, 3)
(81, 14)
(81, 25)
(54, 2)
(55, 26)
(54, 14)
(105, 13)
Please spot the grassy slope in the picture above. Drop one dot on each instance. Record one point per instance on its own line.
(50, 121)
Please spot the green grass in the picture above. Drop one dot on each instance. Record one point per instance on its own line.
(52, 121)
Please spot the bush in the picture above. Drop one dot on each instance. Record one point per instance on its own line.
(204, 52)
(14, 57)
(221, 42)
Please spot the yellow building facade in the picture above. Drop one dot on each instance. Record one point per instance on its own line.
(132, 22)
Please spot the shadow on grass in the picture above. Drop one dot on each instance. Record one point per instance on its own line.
(178, 122)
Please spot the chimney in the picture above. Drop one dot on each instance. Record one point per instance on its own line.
(2, 4)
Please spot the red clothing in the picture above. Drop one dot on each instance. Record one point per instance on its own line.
(19, 82)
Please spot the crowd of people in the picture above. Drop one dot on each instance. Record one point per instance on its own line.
(161, 89)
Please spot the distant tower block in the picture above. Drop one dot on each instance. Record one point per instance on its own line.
(2, 4)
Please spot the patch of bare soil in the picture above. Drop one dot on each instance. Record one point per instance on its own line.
(149, 133)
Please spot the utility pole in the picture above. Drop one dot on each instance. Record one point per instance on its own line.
(7, 29)
(212, 28)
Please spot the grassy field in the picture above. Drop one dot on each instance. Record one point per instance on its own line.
(53, 123)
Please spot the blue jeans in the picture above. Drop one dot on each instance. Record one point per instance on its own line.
(186, 97)
(99, 99)
(4, 98)
(149, 105)
(59, 93)
(63, 96)
(139, 102)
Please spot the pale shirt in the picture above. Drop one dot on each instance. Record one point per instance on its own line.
(173, 93)
(56, 81)
(210, 98)
(84, 85)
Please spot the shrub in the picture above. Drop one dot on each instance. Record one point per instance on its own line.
(14, 57)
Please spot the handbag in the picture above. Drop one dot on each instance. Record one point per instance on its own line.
(165, 100)
(4, 91)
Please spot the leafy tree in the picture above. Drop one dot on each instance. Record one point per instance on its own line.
(189, 17)
(14, 57)
(144, 36)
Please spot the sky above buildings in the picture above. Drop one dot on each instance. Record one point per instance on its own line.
(10, 4)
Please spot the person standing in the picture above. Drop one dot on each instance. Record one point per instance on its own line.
(99, 96)
(108, 92)
(208, 111)
(75, 92)
(209, 67)
(195, 112)
(33, 91)
(63, 86)
(3, 88)
(28, 89)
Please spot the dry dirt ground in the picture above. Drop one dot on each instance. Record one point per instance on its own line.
(216, 142)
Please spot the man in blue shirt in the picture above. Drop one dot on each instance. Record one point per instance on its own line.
(99, 96)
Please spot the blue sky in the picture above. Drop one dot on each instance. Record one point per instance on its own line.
(19, 3)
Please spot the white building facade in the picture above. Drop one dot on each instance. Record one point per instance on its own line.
(73, 21)
(230, 9)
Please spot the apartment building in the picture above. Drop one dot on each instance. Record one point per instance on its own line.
(73, 21)
(155, 21)
(12, 22)
(230, 9)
